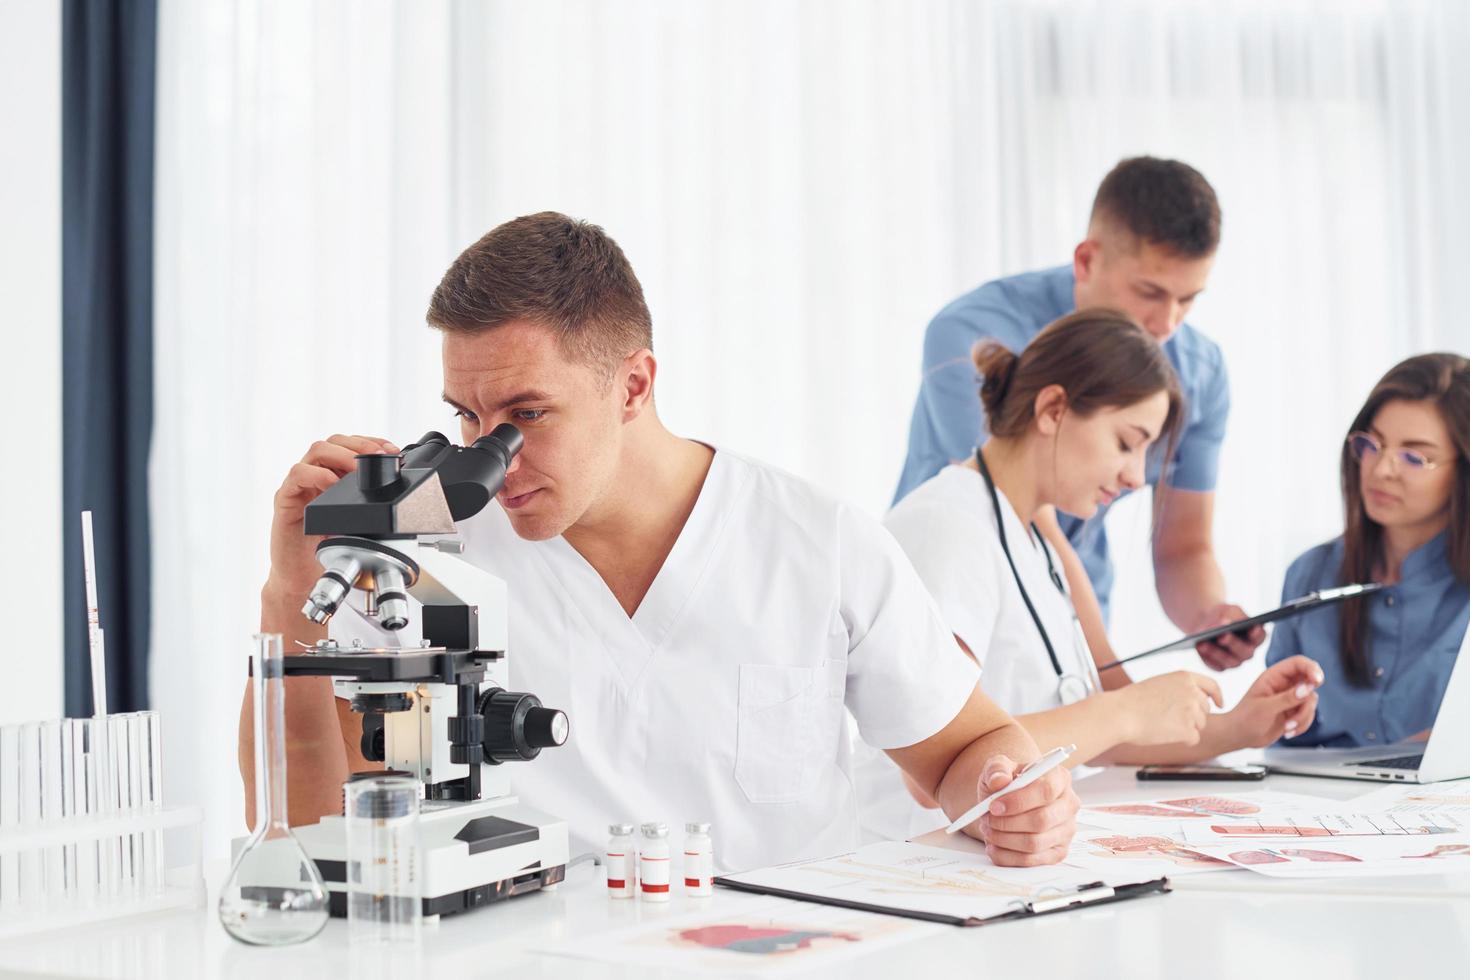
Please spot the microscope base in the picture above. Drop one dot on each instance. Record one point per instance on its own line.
(470, 854)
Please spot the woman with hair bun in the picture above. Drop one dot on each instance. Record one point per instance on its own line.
(1072, 419)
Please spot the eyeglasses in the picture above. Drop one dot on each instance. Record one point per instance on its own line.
(1366, 450)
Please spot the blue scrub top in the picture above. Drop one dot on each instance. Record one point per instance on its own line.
(1414, 634)
(948, 420)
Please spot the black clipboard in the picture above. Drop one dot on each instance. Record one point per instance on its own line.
(1306, 603)
(1084, 896)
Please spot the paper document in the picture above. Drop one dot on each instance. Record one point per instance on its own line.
(940, 880)
(1452, 797)
(1156, 850)
(1396, 831)
(769, 937)
(1180, 809)
(1148, 836)
(1296, 827)
(1351, 857)
(1150, 853)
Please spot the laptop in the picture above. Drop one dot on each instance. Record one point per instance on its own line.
(1446, 755)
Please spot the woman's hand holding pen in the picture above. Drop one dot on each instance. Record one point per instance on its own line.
(1031, 826)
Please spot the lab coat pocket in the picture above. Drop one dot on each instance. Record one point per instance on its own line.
(779, 741)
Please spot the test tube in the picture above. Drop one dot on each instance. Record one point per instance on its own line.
(9, 816)
(84, 799)
(32, 870)
(384, 900)
(141, 795)
(55, 773)
(112, 787)
(153, 793)
(99, 803)
(153, 772)
(69, 803)
(121, 738)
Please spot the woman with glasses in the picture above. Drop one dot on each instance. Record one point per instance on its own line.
(1072, 419)
(1406, 493)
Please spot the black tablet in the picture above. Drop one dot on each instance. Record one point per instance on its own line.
(1295, 607)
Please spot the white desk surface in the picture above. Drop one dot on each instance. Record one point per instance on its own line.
(1223, 924)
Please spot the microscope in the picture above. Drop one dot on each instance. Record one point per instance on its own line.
(441, 712)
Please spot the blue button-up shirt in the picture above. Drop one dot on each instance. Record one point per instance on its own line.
(948, 421)
(1414, 634)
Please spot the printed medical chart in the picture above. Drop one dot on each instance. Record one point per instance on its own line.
(771, 937)
(1153, 852)
(1329, 826)
(1350, 857)
(1142, 851)
(1433, 798)
(1185, 808)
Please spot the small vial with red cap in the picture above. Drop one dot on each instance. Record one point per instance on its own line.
(699, 861)
(622, 865)
(653, 863)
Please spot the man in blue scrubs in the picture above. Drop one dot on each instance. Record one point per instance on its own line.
(1150, 244)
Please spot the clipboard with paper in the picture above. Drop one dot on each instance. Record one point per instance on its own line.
(937, 884)
(1297, 606)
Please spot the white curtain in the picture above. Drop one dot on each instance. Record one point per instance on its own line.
(800, 187)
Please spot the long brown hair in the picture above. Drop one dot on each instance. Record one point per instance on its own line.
(1444, 380)
(1100, 357)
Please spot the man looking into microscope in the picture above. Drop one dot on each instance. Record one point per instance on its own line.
(702, 617)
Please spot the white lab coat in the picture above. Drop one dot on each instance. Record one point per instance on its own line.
(722, 698)
(947, 528)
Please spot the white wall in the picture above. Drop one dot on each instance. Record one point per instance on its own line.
(30, 353)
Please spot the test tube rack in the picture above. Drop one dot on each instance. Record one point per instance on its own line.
(84, 834)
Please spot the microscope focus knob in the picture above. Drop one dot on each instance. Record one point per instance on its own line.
(518, 727)
(373, 741)
(547, 728)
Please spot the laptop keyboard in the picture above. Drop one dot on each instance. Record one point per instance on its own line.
(1401, 762)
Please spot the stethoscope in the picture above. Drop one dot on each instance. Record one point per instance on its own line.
(1071, 686)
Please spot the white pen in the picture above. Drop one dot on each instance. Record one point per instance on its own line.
(1038, 769)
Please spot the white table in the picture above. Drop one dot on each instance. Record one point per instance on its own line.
(1225, 924)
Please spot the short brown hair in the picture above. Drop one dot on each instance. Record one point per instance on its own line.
(1100, 357)
(567, 274)
(1162, 202)
(1442, 379)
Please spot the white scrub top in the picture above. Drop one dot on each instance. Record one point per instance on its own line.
(947, 527)
(722, 698)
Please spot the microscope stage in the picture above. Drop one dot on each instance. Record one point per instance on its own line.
(410, 665)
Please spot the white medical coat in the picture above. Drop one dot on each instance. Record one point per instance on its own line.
(722, 697)
(947, 527)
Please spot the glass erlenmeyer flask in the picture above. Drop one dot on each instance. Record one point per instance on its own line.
(274, 895)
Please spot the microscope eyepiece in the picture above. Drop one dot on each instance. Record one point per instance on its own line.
(474, 474)
(378, 472)
(426, 451)
(505, 440)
